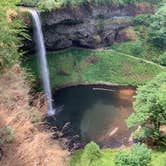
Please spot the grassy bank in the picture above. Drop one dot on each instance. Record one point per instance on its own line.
(139, 49)
(108, 157)
(82, 65)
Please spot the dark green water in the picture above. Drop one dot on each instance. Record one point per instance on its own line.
(96, 113)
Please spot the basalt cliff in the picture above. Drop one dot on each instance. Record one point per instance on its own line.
(90, 26)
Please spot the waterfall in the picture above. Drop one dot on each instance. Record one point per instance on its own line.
(41, 51)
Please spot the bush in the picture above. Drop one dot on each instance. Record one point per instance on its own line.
(162, 59)
(139, 155)
(7, 135)
(91, 155)
(143, 19)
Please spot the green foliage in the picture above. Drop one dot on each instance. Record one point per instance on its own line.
(150, 107)
(158, 28)
(139, 155)
(91, 155)
(30, 2)
(52, 4)
(48, 5)
(139, 48)
(162, 59)
(142, 19)
(142, 134)
(133, 48)
(11, 33)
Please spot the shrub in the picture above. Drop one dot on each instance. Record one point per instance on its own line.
(162, 59)
(7, 135)
(139, 155)
(143, 19)
(91, 155)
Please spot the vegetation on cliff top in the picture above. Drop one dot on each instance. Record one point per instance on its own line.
(52, 4)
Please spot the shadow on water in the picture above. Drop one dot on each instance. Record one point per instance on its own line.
(95, 113)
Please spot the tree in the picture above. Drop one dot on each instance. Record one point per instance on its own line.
(158, 28)
(150, 107)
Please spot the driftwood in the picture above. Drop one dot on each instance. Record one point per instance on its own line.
(103, 89)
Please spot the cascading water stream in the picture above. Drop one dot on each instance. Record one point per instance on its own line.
(39, 40)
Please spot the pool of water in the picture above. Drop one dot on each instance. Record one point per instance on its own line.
(95, 113)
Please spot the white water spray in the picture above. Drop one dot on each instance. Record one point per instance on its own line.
(39, 40)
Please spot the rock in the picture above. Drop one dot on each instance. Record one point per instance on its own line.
(126, 34)
(90, 26)
(1, 154)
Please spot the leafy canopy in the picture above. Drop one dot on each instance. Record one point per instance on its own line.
(158, 28)
(150, 105)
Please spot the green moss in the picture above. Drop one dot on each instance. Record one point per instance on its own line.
(82, 65)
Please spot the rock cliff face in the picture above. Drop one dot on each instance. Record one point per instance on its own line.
(89, 26)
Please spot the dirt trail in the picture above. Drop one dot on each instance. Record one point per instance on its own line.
(31, 145)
